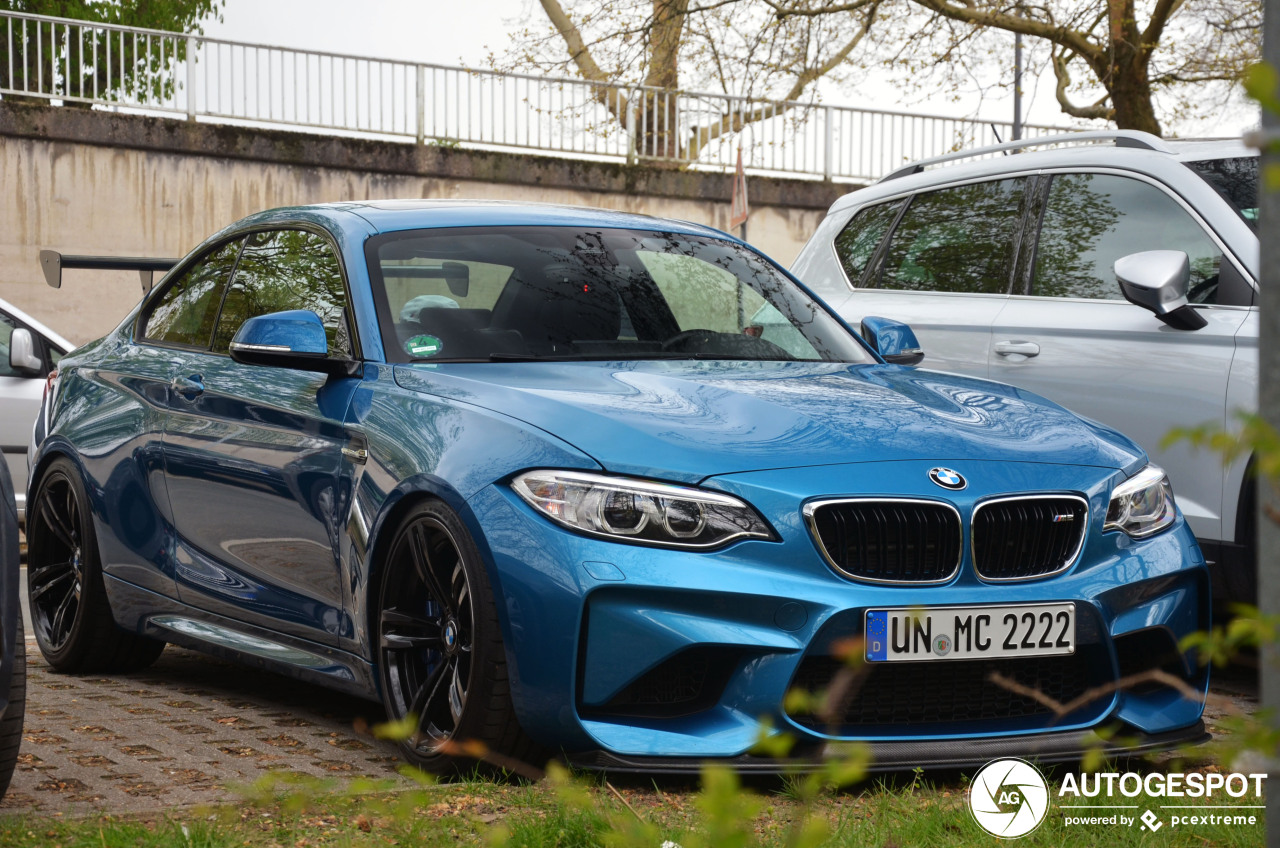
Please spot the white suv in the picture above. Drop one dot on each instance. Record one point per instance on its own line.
(28, 352)
(1005, 267)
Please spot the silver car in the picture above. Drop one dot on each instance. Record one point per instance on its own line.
(1006, 267)
(28, 352)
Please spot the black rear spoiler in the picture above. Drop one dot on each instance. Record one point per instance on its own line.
(52, 262)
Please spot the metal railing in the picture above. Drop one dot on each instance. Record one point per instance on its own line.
(152, 71)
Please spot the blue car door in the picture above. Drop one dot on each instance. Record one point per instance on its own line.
(254, 454)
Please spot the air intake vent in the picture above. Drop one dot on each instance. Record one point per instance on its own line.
(1027, 537)
(888, 541)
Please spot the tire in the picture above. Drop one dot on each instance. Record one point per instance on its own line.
(439, 647)
(11, 724)
(70, 612)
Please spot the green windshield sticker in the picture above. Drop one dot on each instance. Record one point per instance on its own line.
(424, 346)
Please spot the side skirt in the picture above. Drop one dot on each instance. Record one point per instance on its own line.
(160, 617)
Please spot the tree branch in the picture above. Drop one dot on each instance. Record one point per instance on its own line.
(787, 10)
(1097, 110)
(1073, 40)
(1160, 15)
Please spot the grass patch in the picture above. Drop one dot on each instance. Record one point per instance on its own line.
(578, 814)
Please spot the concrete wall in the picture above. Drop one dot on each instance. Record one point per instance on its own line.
(82, 181)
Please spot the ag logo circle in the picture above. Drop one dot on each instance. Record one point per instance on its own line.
(1009, 798)
(947, 479)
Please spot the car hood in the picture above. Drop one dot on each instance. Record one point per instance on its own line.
(689, 420)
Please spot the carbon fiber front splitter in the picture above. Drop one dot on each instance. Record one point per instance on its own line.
(1043, 748)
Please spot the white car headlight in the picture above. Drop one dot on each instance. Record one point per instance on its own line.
(626, 509)
(1142, 505)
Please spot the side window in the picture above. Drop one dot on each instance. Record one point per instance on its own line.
(956, 240)
(186, 310)
(6, 334)
(1091, 220)
(858, 241)
(281, 270)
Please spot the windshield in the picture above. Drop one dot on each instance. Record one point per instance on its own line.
(1236, 180)
(514, 293)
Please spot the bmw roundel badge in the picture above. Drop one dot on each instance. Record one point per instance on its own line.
(947, 479)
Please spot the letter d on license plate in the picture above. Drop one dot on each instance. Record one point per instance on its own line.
(963, 633)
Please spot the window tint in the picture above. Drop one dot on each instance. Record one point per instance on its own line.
(1091, 220)
(704, 295)
(1236, 180)
(6, 335)
(860, 238)
(591, 294)
(187, 310)
(956, 240)
(281, 270)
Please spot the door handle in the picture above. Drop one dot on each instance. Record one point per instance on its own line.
(1011, 347)
(188, 387)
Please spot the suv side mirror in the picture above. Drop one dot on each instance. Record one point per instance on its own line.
(1157, 281)
(22, 353)
(292, 339)
(893, 340)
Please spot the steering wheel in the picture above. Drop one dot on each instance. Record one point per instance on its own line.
(680, 342)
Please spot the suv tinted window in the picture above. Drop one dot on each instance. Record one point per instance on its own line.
(1091, 220)
(858, 241)
(1236, 180)
(6, 335)
(956, 240)
(282, 270)
(187, 309)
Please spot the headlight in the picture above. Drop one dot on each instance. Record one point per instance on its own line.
(1142, 505)
(631, 510)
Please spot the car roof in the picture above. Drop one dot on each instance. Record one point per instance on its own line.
(1120, 149)
(411, 214)
(37, 326)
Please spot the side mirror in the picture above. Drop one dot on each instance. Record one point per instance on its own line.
(1157, 280)
(22, 353)
(294, 339)
(893, 340)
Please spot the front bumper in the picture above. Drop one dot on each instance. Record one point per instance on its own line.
(625, 653)
(1043, 748)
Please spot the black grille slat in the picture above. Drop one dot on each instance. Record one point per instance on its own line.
(905, 541)
(1015, 539)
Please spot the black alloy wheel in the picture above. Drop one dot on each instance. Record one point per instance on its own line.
(70, 612)
(440, 653)
(55, 573)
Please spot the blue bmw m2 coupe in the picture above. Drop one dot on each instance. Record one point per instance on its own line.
(567, 480)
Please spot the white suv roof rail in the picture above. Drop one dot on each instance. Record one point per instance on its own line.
(1121, 138)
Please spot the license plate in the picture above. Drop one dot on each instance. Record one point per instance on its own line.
(964, 633)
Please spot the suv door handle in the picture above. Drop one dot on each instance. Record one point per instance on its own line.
(1011, 347)
(188, 387)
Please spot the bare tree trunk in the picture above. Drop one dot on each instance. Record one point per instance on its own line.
(1127, 78)
(662, 136)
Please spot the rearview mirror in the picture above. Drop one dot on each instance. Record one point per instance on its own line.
(22, 353)
(293, 339)
(1157, 280)
(894, 341)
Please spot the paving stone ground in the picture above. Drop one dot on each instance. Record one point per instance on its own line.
(182, 732)
(188, 730)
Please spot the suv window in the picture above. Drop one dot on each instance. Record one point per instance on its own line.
(1236, 180)
(1091, 220)
(187, 309)
(956, 240)
(858, 241)
(281, 270)
(6, 336)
